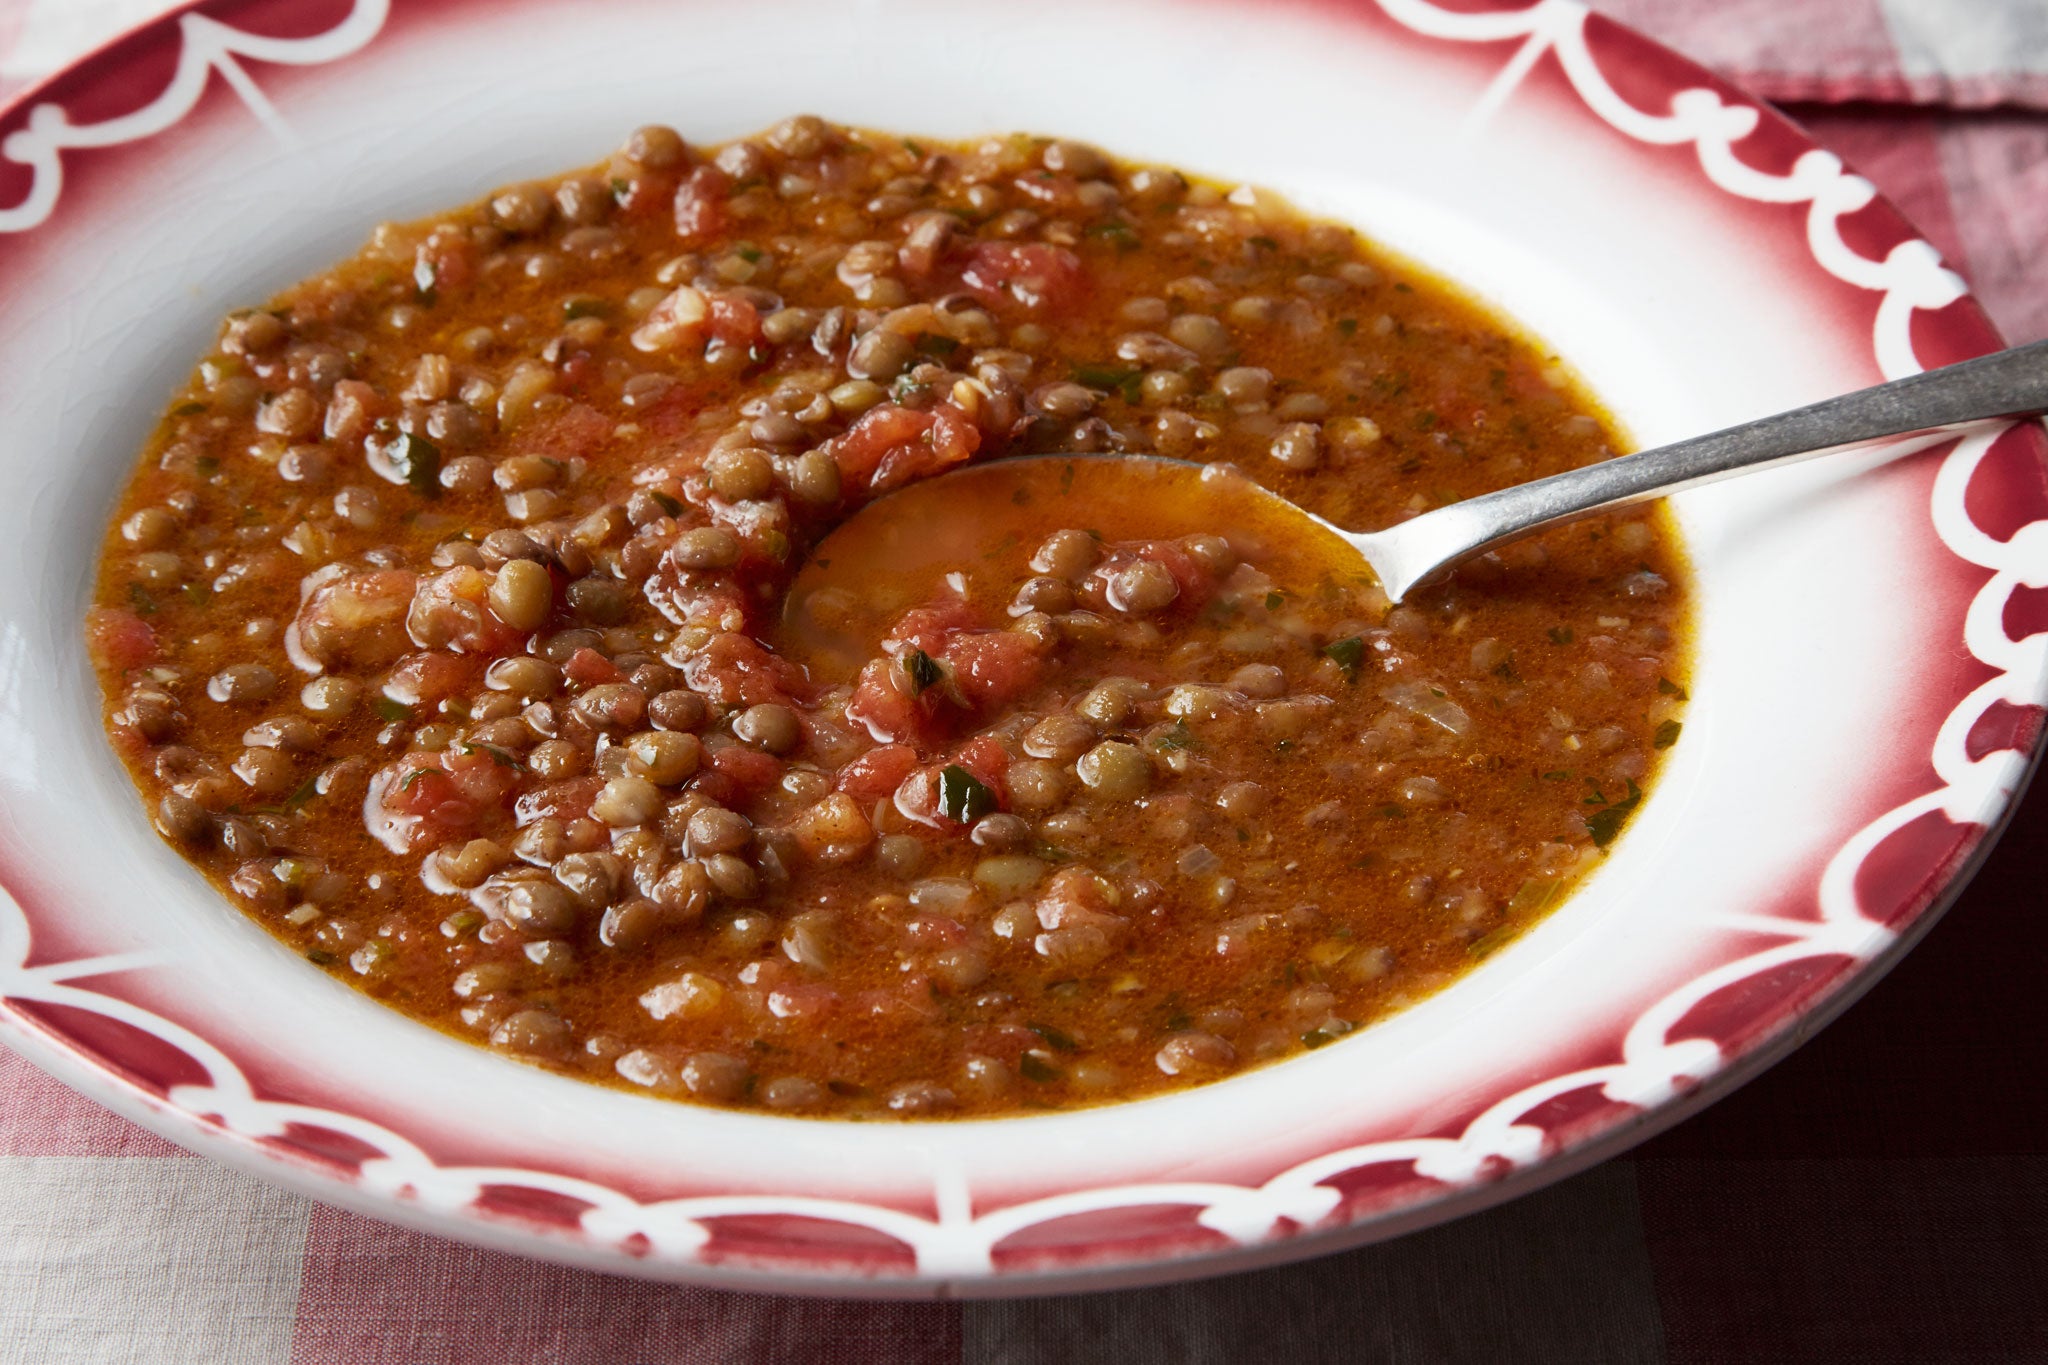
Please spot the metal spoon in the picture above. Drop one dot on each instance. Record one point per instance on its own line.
(2008, 383)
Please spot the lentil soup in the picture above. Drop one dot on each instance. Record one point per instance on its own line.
(467, 622)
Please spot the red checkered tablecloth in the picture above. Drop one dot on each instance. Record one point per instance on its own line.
(1882, 1196)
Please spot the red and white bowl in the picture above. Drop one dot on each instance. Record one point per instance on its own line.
(1869, 684)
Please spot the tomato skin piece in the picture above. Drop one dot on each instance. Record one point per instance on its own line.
(735, 321)
(425, 678)
(120, 639)
(893, 445)
(748, 769)
(883, 704)
(588, 668)
(425, 799)
(1032, 275)
(733, 669)
(700, 203)
(990, 667)
(877, 773)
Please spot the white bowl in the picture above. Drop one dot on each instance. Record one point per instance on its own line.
(1861, 718)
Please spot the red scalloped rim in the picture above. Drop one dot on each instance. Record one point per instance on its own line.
(1904, 878)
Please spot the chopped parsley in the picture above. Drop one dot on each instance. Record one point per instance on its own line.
(1603, 825)
(1036, 1068)
(924, 671)
(936, 344)
(666, 503)
(963, 796)
(1561, 635)
(139, 598)
(1348, 654)
(1670, 688)
(1176, 736)
(420, 461)
(1126, 381)
(1667, 734)
(1057, 1041)
(584, 308)
(390, 710)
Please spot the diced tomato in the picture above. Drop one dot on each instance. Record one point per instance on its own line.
(563, 801)
(700, 204)
(750, 770)
(445, 261)
(929, 628)
(735, 669)
(119, 639)
(878, 772)
(422, 679)
(892, 445)
(990, 667)
(715, 603)
(884, 702)
(588, 668)
(734, 320)
(989, 761)
(1040, 277)
(425, 799)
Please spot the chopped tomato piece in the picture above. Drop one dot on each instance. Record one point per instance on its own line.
(588, 668)
(992, 666)
(734, 320)
(419, 679)
(1038, 276)
(563, 801)
(736, 669)
(878, 772)
(892, 445)
(424, 799)
(700, 203)
(119, 638)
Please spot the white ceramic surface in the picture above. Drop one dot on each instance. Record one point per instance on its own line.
(1696, 260)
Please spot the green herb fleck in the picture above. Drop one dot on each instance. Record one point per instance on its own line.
(1274, 600)
(1558, 775)
(1561, 635)
(139, 598)
(1603, 825)
(1348, 654)
(504, 758)
(1176, 736)
(1125, 381)
(320, 957)
(963, 796)
(1057, 1041)
(1667, 734)
(206, 466)
(750, 254)
(1670, 688)
(390, 710)
(420, 461)
(936, 343)
(667, 503)
(924, 671)
(412, 778)
(1036, 1068)
(1329, 1031)
(621, 187)
(1348, 326)
(584, 308)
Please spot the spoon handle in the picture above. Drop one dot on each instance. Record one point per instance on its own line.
(2008, 383)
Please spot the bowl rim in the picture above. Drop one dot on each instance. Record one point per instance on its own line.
(1549, 28)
